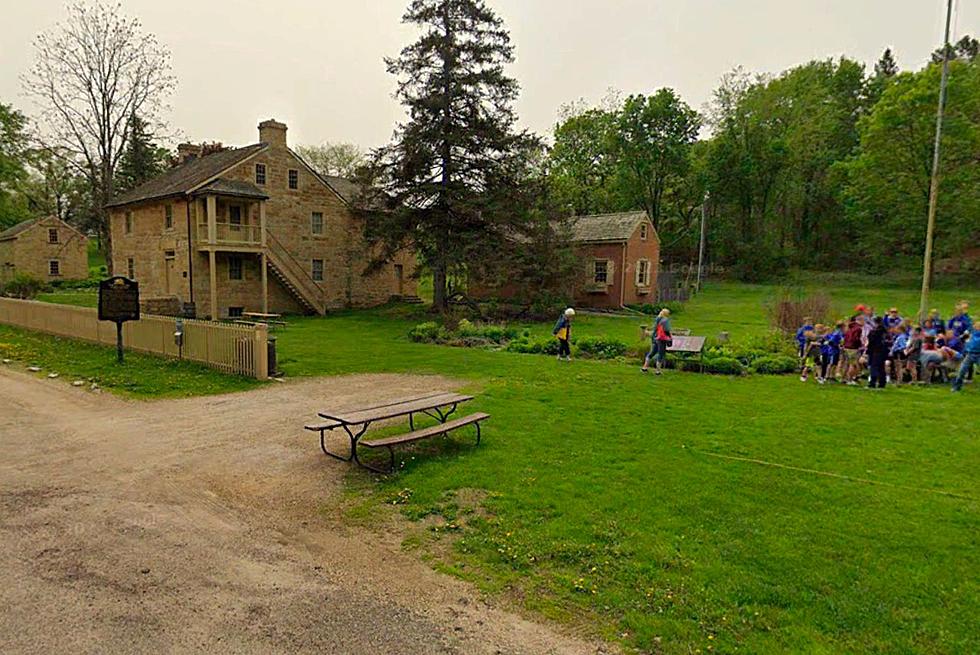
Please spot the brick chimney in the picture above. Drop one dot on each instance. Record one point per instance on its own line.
(188, 151)
(272, 132)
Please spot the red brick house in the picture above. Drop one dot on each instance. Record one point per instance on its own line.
(620, 254)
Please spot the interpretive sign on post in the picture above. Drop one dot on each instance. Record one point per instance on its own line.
(119, 301)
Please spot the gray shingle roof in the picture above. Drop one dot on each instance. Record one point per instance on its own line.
(346, 189)
(234, 188)
(13, 231)
(185, 177)
(605, 227)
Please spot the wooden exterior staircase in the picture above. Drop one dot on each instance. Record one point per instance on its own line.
(291, 274)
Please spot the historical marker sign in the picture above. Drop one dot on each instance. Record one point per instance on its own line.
(119, 301)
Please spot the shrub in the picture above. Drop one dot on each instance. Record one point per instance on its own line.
(723, 366)
(774, 365)
(24, 286)
(601, 347)
(791, 307)
(427, 332)
(539, 347)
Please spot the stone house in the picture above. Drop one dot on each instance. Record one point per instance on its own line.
(45, 248)
(250, 229)
(620, 255)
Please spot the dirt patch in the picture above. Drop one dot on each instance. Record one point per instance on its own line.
(198, 525)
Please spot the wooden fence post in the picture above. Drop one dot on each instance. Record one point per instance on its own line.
(261, 351)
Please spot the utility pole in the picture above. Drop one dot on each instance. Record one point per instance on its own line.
(934, 183)
(704, 212)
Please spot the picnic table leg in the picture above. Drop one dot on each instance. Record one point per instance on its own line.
(440, 416)
(353, 443)
(391, 463)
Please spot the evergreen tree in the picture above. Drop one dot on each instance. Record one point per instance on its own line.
(449, 174)
(141, 159)
(886, 66)
(966, 49)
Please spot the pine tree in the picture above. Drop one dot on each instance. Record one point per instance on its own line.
(141, 159)
(445, 177)
(886, 66)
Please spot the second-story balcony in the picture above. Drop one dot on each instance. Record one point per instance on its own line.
(230, 216)
(230, 234)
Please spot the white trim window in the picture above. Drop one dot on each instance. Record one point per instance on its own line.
(316, 223)
(317, 270)
(293, 176)
(600, 272)
(260, 174)
(643, 273)
(54, 268)
(168, 217)
(52, 235)
(644, 231)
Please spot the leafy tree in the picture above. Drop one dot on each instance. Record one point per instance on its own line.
(334, 159)
(886, 192)
(652, 138)
(13, 150)
(448, 176)
(582, 163)
(141, 159)
(92, 73)
(966, 49)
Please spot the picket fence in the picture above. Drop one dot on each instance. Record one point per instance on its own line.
(238, 349)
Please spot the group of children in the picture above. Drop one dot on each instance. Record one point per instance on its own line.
(890, 348)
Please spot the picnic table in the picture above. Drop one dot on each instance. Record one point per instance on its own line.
(355, 422)
(262, 317)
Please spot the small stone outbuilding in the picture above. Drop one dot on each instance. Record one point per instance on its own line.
(48, 249)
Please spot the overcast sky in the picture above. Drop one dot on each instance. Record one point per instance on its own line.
(317, 64)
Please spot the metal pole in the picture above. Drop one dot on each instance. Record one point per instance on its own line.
(934, 183)
(704, 211)
(119, 348)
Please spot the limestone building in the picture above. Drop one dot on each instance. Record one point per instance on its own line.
(250, 229)
(47, 249)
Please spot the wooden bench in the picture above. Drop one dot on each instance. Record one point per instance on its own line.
(418, 435)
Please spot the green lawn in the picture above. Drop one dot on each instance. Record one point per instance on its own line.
(611, 498)
(80, 298)
(681, 514)
(139, 376)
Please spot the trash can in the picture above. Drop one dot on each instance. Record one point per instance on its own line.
(271, 346)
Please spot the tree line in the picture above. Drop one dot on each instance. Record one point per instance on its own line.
(825, 165)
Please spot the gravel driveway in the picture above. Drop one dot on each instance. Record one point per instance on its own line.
(199, 526)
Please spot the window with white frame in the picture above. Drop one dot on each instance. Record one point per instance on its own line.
(316, 223)
(52, 235)
(168, 217)
(54, 268)
(260, 174)
(600, 271)
(318, 270)
(293, 178)
(643, 273)
(643, 231)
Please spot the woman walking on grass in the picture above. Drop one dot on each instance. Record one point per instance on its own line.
(563, 332)
(659, 342)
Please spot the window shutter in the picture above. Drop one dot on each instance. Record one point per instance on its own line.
(610, 271)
